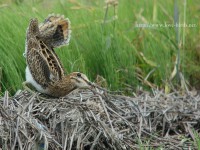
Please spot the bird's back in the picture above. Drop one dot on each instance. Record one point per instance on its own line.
(43, 65)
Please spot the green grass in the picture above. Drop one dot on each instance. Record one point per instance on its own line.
(111, 49)
(197, 139)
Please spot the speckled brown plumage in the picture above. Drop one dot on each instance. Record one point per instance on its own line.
(44, 69)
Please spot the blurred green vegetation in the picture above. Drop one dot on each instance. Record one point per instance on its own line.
(107, 41)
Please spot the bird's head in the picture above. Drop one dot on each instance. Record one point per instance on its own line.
(80, 80)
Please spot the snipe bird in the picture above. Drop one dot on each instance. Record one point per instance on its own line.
(44, 70)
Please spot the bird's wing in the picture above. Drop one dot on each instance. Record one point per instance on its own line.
(43, 63)
(55, 30)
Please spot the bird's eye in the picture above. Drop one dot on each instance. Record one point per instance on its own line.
(78, 74)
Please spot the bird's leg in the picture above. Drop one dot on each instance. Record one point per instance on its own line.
(27, 86)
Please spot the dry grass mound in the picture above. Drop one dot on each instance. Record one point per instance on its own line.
(99, 121)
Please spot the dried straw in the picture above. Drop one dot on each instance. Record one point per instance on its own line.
(97, 120)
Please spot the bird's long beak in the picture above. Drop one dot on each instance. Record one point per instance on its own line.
(91, 84)
(88, 82)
